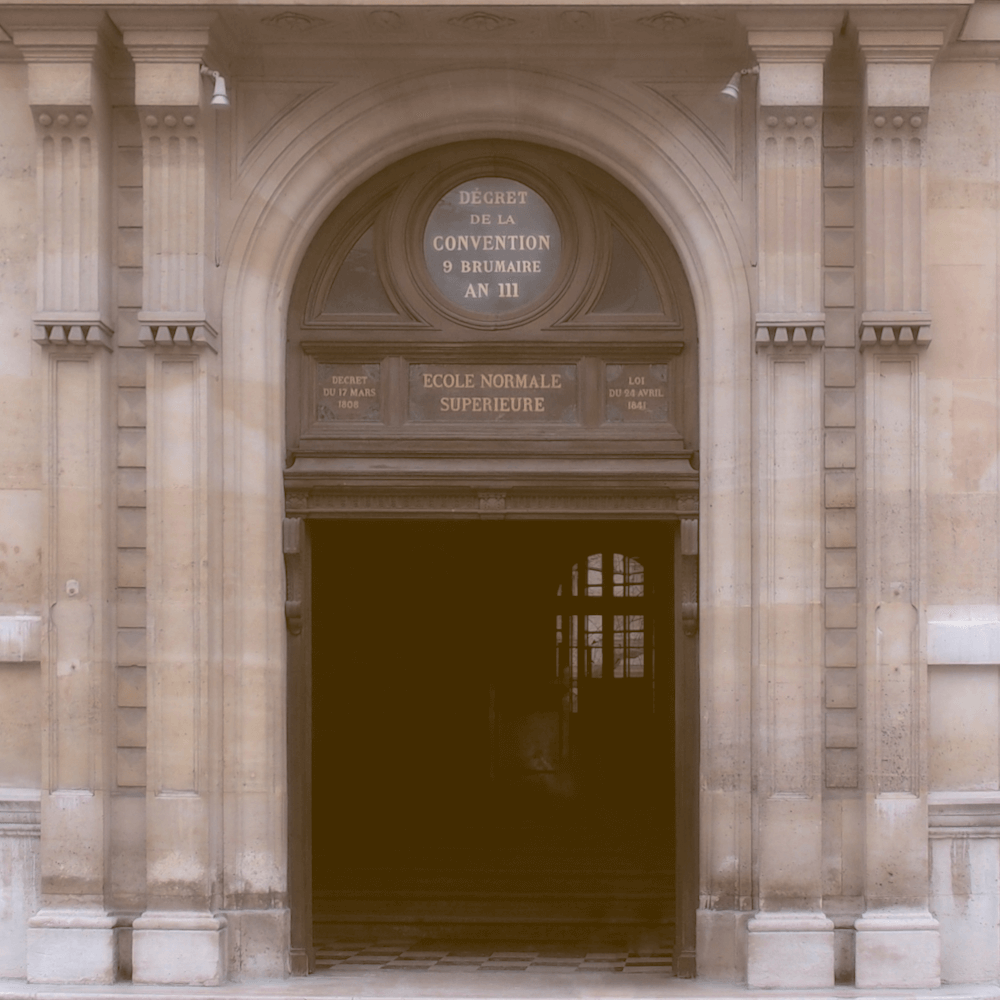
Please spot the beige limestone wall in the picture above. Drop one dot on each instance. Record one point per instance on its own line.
(20, 530)
(963, 510)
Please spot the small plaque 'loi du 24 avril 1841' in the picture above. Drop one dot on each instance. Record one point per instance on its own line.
(492, 246)
(526, 393)
(348, 392)
(637, 393)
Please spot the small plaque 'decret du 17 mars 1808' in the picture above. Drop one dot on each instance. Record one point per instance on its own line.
(492, 246)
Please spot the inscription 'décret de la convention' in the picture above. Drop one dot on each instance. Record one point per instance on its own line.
(492, 246)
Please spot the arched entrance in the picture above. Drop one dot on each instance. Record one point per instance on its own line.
(495, 337)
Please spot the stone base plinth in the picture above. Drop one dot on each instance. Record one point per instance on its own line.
(180, 949)
(790, 951)
(72, 947)
(722, 937)
(897, 951)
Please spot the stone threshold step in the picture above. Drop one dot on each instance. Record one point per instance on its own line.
(475, 986)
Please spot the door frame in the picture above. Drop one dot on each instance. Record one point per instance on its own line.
(297, 543)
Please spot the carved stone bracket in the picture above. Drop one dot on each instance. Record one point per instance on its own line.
(803, 331)
(168, 332)
(72, 332)
(895, 331)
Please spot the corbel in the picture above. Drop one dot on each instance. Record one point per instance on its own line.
(689, 576)
(292, 536)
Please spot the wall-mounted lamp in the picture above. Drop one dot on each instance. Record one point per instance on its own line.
(732, 89)
(219, 97)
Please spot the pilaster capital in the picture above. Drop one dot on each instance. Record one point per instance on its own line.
(791, 63)
(898, 64)
(67, 58)
(168, 54)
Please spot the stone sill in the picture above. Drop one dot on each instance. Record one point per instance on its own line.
(20, 812)
(964, 814)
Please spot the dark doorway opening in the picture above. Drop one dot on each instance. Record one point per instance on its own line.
(493, 734)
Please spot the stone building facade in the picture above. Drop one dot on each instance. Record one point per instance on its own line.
(802, 280)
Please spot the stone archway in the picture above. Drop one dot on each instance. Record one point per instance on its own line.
(284, 205)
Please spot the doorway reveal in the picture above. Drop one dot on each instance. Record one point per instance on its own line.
(493, 737)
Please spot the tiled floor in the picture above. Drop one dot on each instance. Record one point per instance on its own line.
(492, 956)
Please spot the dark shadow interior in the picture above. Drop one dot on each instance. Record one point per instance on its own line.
(493, 730)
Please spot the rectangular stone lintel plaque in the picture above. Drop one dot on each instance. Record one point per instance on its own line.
(348, 392)
(637, 393)
(493, 393)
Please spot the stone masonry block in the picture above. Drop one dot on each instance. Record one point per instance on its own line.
(126, 126)
(841, 647)
(838, 207)
(131, 527)
(840, 449)
(132, 687)
(841, 528)
(130, 207)
(841, 728)
(131, 487)
(127, 331)
(839, 364)
(132, 447)
(839, 408)
(130, 287)
(841, 568)
(131, 365)
(128, 165)
(838, 288)
(841, 609)
(838, 248)
(838, 127)
(132, 568)
(838, 168)
(131, 767)
(840, 489)
(841, 768)
(130, 247)
(131, 608)
(131, 651)
(131, 727)
(841, 688)
(840, 330)
(131, 407)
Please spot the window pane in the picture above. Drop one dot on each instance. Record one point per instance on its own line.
(619, 640)
(573, 674)
(594, 575)
(619, 574)
(635, 578)
(635, 651)
(594, 645)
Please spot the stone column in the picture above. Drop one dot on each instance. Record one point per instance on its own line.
(73, 938)
(790, 941)
(897, 939)
(180, 938)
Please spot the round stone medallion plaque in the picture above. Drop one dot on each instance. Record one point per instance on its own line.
(492, 246)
